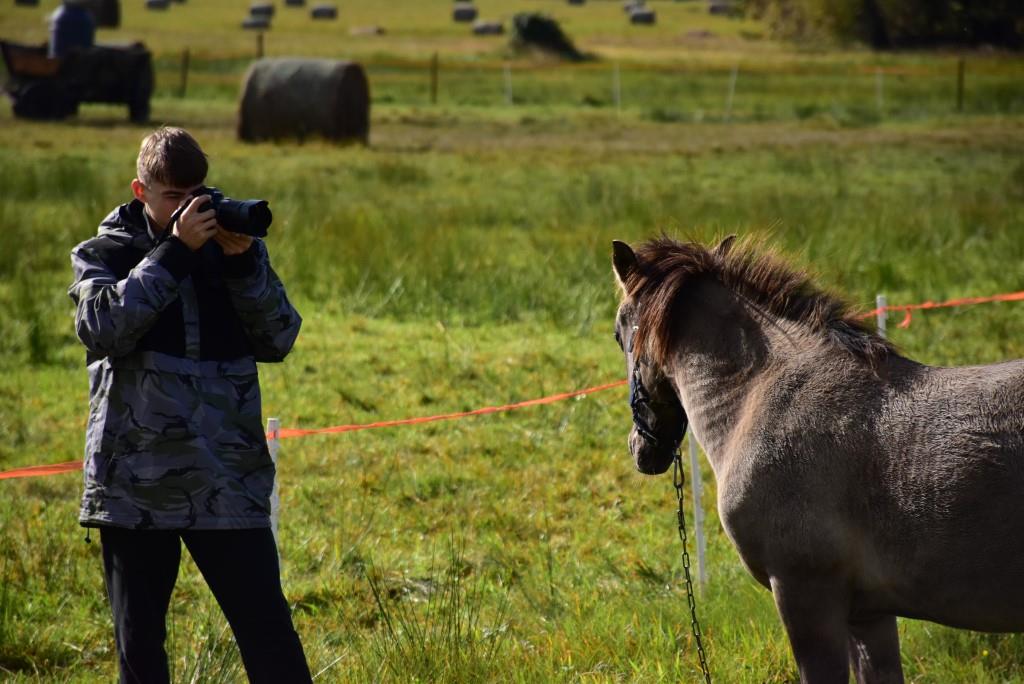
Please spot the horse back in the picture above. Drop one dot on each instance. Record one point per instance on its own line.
(908, 481)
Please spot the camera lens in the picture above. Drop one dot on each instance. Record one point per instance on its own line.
(259, 216)
(251, 217)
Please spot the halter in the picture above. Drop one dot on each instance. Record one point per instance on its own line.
(642, 405)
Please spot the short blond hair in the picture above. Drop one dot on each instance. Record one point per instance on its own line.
(171, 156)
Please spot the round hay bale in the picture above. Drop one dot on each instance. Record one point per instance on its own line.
(157, 4)
(256, 23)
(261, 9)
(488, 28)
(324, 11)
(642, 15)
(630, 5)
(721, 7)
(577, 2)
(107, 13)
(290, 97)
(463, 11)
(295, 3)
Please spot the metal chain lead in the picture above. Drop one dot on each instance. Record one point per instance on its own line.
(677, 481)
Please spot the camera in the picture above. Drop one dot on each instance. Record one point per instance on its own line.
(249, 217)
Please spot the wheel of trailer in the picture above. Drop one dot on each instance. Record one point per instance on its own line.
(43, 99)
(138, 110)
(138, 107)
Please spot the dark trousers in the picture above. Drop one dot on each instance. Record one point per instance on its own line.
(241, 569)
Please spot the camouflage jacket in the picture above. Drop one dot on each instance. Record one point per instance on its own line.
(175, 435)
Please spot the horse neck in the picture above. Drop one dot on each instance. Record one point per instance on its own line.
(727, 348)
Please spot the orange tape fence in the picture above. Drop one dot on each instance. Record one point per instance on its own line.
(39, 471)
(963, 301)
(69, 466)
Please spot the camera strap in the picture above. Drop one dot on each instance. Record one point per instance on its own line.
(170, 222)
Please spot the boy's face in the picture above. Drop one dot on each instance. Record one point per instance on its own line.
(161, 200)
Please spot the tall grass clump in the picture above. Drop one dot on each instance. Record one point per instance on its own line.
(6, 609)
(201, 648)
(445, 640)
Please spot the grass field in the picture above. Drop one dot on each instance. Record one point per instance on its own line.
(462, 260)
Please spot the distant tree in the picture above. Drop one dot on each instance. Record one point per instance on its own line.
(897, 23)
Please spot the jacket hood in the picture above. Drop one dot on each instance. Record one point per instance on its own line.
(127, 224)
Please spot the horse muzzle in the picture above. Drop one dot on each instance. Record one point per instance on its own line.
(649, 459)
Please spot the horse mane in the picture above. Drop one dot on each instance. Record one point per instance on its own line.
(763, 279)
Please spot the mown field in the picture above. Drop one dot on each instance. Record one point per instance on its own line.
(462, 260)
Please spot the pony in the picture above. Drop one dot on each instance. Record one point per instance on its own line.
(856, 484)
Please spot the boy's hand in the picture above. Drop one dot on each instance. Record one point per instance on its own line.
(195, 227)
(232, 243)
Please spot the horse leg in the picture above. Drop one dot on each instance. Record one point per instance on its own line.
(814, 612)
(875, 651)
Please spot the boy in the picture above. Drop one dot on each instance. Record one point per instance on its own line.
(174, 319)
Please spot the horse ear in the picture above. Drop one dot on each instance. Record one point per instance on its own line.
(623, 260)
(725, 246)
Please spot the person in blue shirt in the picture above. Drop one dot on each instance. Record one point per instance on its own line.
(71, 26)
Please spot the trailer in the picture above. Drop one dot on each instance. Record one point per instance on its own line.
(42, 87)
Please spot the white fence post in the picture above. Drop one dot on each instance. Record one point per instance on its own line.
(617, 89)
(698, 510)
(881, 314)
(879, 91)
(274, 445)
(732, 92)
